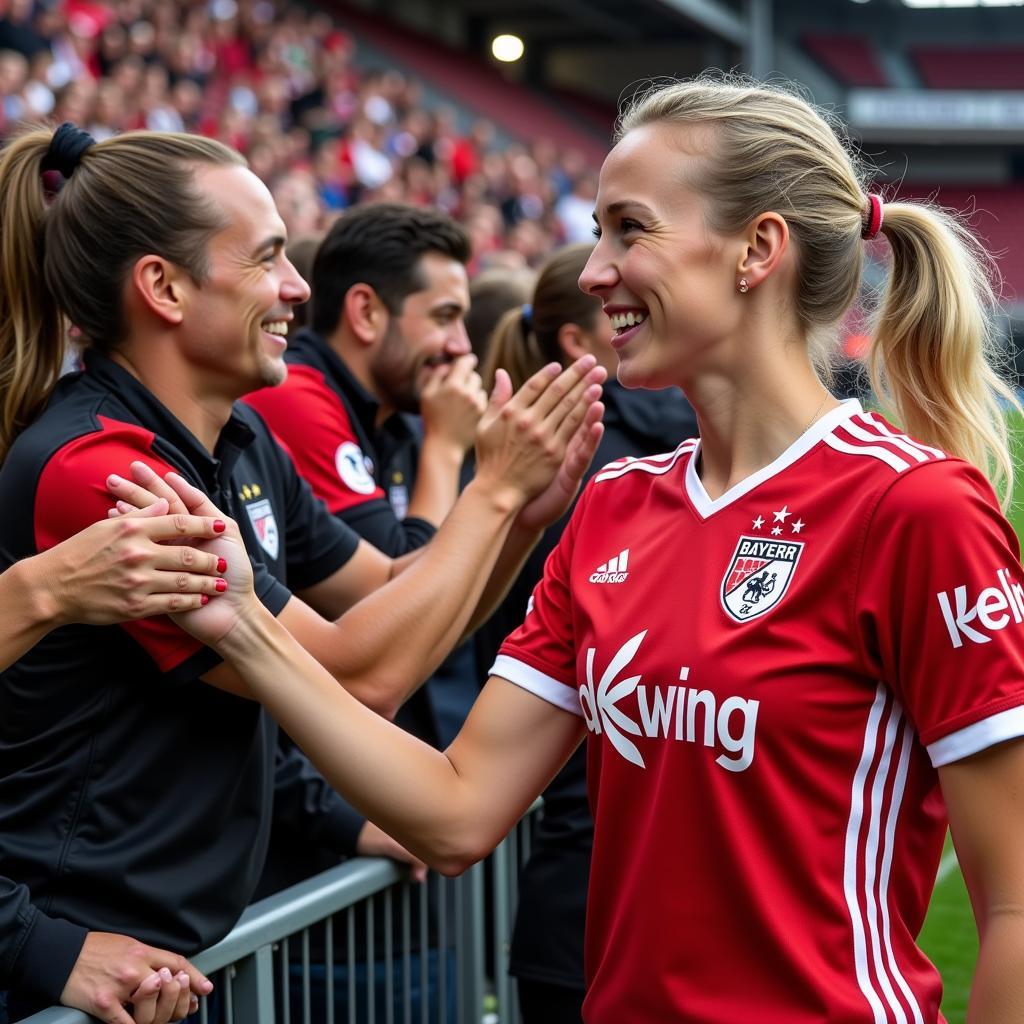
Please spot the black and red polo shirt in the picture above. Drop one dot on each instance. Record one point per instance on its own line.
(362, 470)
(133, 797)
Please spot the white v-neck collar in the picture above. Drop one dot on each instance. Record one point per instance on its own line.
(804, 443)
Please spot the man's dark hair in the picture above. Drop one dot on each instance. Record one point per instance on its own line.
(380, 245)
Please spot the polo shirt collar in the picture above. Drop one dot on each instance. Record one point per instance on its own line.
(364, 406)
(213, 469)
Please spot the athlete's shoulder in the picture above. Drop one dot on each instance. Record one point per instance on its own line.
(911, 477)
(636, 468)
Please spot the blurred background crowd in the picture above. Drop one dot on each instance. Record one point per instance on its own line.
(284, 85)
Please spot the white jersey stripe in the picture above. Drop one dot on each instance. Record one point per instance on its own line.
(884, 428)
(664, 465)
(874, 450)
(871, 897)
(898, 789)
(850, 860)
(867, 435)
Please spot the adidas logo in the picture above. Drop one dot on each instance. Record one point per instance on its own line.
(613, 571)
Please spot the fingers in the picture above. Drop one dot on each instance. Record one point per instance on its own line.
(138, 497)
(144, 1000)
(144, 488)
(196, 501)
(462, 369)
(501, 393)
(198, 982)
(564, 383)
(158, 508)
(570, 413)
(584, 444)
(179, 525)
(183, 1007)
(167, 1001)
(187, 581)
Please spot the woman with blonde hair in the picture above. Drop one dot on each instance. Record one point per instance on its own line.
(797, 644)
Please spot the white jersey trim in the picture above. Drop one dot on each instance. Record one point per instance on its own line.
(903, 441)
(874, 438)
(884, 736)
(654, 464)
(1006, 725)
(538, 683)
(803, 444)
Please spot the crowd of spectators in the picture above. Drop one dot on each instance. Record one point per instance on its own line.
(282, 84)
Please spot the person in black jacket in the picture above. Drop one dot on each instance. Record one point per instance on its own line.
(560, 324)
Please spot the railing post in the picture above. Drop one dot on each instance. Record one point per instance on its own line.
(502, 927)
(469, 945)
(253, 985)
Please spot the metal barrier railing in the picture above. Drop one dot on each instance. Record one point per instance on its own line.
(265, 973)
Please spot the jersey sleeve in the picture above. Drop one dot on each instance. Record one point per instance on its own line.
(315, 427)
(939, 608)
(540, 656)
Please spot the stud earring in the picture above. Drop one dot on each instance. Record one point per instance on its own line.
(744, 287)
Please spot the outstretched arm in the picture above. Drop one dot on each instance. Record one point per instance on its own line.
(112, 571)
(449, 808)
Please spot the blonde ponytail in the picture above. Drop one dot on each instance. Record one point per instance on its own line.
(934, 350)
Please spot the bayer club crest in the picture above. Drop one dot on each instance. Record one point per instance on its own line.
(758, 576)
(261, 515)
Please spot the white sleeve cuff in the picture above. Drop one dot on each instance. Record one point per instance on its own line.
(544, 686)
(1006, 725)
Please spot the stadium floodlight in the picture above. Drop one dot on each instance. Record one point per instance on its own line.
(507, 48)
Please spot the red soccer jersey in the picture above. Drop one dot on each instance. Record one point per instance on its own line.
(770, 680)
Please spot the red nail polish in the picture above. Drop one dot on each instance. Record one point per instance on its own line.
(222, 564)
(204, 599)
(221, 586)
(219, 526)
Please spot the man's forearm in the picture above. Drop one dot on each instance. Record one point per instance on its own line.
(394, 639)
(514, 552)
(437, 480)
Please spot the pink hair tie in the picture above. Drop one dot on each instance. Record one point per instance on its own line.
(875, 216)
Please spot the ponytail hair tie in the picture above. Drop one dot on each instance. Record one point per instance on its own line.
(874, 215)
(68, 144)
(527, 317)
